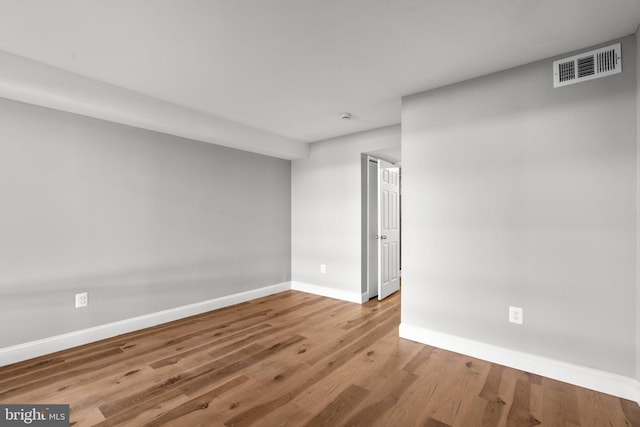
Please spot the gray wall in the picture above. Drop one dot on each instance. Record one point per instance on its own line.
(638, 202)
(326, 209)
(141, 220)
(515, 193)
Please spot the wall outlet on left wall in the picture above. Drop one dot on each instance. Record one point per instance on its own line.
(516, 315)
(82, 299)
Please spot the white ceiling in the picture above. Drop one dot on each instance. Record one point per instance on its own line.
(290, 67)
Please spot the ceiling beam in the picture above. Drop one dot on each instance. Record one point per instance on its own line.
(24, 80)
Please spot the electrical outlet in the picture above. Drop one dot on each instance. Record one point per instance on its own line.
(82, 300)
(323, 268)
(516, 315)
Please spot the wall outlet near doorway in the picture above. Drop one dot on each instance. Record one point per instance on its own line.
(323, 268)
(516, 315)
(82, 300)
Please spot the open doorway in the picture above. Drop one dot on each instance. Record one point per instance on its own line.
(381, 219)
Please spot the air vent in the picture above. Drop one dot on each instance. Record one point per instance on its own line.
(587, 66)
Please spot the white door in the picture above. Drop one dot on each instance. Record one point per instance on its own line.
(388, 229)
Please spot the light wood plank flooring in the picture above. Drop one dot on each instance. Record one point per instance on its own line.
(295, 359)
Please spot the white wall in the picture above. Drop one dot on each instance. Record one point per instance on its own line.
(515, 193)
(142, 221)
(326, 210)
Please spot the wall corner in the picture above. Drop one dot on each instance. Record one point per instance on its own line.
(637, 81)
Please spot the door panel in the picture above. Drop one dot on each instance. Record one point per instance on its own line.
(388, 229)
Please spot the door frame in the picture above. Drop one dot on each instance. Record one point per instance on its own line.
(369, 285)
(371, 217)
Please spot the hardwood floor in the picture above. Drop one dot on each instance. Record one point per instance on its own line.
(295, 359)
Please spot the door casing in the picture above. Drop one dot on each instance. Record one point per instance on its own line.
(370, 249)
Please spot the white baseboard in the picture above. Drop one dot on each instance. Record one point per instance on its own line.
(330, 292)
(44, 346)
(605, 382)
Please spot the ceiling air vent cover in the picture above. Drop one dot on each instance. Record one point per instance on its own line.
(587, 66)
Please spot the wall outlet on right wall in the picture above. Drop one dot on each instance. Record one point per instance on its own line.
(516, 315)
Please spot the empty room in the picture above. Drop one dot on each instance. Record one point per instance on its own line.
(319, 213)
